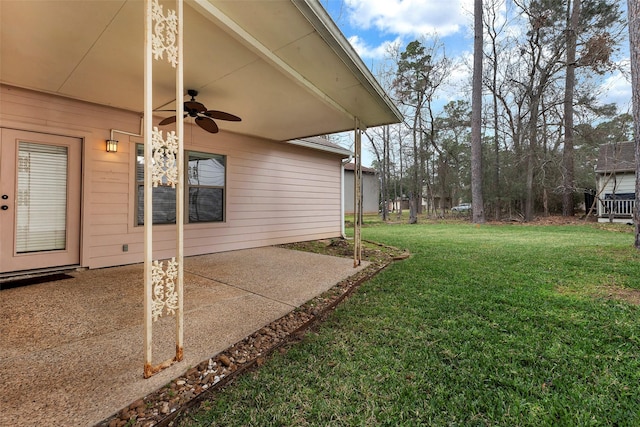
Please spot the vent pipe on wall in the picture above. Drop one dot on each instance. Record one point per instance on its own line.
(123, 132)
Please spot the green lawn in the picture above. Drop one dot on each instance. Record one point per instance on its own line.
(491, 325)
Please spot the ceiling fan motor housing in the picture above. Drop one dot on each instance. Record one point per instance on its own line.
(203, 117)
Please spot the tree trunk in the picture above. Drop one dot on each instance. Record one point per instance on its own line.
(570, 82)
(633, 10)
(417, 176)
(477, 202)
(496, 133)
(401, 174)
(533, 140)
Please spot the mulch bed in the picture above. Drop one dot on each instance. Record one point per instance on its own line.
(164, 406)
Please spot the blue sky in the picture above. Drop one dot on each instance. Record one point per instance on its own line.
(371, 25)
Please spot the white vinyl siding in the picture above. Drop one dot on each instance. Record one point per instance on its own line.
(621, 183)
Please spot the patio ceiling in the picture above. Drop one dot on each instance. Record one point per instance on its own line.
(281, 65)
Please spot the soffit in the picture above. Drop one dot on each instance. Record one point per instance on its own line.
(93, 51)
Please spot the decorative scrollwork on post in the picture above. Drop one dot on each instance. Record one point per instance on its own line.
(165, 31)
(165, 167)
(165, 295)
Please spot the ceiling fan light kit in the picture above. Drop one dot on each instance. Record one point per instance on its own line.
(203, 117)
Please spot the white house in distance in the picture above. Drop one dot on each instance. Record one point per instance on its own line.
(71, 79)
(370, 190)
(615, 182)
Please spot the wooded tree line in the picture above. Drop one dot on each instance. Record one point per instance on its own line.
(542, 117)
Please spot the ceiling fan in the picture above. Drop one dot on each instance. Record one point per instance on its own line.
(203, 117)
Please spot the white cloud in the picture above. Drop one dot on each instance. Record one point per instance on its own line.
(616, 89)
(375, 52)
(412, 18)
(458, 83)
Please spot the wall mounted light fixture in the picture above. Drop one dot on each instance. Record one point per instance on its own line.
(112, 145)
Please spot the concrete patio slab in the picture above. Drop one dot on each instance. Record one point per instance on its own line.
(71, 351)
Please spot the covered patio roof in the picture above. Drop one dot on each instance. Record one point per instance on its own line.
(281, 65)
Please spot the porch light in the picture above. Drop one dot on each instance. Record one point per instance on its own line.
(112, 145)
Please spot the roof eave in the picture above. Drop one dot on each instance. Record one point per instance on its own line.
(609, 171)
(331, 34)
(307, 144)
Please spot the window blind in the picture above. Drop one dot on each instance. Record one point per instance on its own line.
(41, 211)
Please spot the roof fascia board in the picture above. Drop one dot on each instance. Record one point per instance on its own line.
(331, 34)
(302, 143)
(611, 171)
(261, 50)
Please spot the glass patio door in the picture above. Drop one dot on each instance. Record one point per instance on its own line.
(40, 201)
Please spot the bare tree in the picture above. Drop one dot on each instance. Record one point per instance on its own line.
(633, 10)
(573, 17)
(491, 24)
(544, 52)
(476, 119)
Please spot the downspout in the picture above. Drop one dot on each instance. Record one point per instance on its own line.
(342, 230)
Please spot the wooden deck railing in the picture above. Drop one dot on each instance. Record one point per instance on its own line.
(619, 208)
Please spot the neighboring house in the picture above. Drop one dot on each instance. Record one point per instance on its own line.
(370, 190)
(71, 78)
(398, 204)
(615, 182)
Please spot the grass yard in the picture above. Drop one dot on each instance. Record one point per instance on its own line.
(504, 325)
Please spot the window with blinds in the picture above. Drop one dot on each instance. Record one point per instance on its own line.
(41, 209)
(205, 187)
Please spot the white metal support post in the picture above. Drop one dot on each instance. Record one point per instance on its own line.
(148, 187)
(163, 166)
(180, 196)
(357, 195)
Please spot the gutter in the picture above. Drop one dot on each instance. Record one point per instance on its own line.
(307, 144)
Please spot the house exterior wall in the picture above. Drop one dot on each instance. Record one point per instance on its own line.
(275, 193)
(620, 183)
(370, 192)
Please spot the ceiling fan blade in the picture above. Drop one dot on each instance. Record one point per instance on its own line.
(194, 105)
(207, 124)
(221, 115)
(167, 121)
